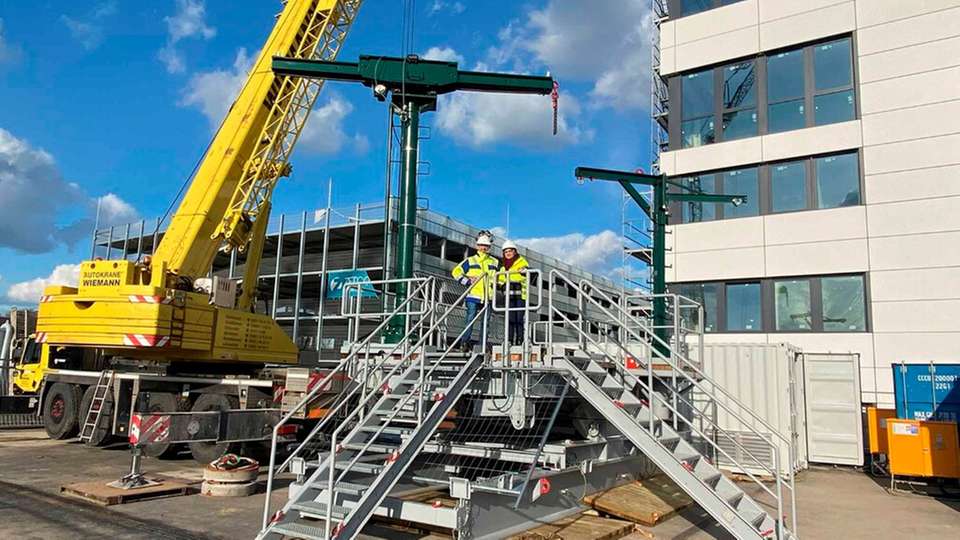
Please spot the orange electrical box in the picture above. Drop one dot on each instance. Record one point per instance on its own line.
(877, 428)
(923, 448)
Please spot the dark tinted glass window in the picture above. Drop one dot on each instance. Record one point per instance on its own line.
(743, 307)
(690, 7)
(832, 65)
(711, 306)
(788, 186)
(785, 76)
(834, 107)
(697, 132)
(838, 180)
(739, 124)
(786, 115)
(742, 182)
(739, 86)
(792, 305)
(698, 94)
(694, 211)
(844, 304)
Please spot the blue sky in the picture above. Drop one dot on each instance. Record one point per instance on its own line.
(115, 101)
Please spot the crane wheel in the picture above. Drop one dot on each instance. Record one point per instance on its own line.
(206, 452)
(61, 407)
(161, 402)
(101, 433)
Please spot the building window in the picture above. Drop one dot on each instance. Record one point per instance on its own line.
(698, 109)
(743, 307)
(817, 78)
(788, 186)
(830, 181)
(792, 305)
(785, 92)
(833, 82)
(682, 8)
(801, 304)
(739, 101)
(838, 180)
(843, 304)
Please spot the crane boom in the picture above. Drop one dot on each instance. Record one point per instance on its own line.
(252, 148)
(151, 309)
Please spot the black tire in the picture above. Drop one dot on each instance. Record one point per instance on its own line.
(102, 434)
(205, 452)
(161, 402)
(61, 407)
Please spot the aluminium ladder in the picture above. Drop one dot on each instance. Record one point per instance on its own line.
(92, 419)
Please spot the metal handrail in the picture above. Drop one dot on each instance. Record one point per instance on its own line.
(331, 460)
(271, 472)
(639, 424)
(693, 382)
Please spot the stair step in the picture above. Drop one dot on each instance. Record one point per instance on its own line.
(350, 488)
(389, 430)
(299, 530)
(319, 509)
(377, 448)
(361, 467)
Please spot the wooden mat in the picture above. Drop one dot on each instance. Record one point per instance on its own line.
(580, 527)
(646, 502)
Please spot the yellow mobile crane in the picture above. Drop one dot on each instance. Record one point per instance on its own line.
(161, 314)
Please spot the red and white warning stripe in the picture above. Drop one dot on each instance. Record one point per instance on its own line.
(144, 340)
(41, 337)
(149, 428)
(46, 298)
(143, 299)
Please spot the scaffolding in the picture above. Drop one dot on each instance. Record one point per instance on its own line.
(304, 251)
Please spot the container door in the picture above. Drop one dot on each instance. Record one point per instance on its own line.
(834, 423)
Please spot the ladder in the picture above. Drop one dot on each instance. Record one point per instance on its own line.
(100, 392)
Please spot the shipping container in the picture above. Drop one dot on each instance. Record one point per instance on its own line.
(767, 378)
(927, 391)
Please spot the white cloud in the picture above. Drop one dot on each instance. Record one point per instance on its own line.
(446, 54)
(600, 253)
(88, 31)
(9, 54)
(481, 119)
(187, 22)
(114, 210)
(30, 291)
(214, 91)
(610, 47)
(35, 196)
(324, 132)
(454, 8)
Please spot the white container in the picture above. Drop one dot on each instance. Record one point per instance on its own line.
(766, 378)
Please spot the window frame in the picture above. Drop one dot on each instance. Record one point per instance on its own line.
(761, 103)
(765, 188)
(676, 7)
(768, 323)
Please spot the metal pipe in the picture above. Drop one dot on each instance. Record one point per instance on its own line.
(143, 225)
(323, 266)
(6, 356)
(126, 238)
(109, 243)
(296, 301)
(276, 270)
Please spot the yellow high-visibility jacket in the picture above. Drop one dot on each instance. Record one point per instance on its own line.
(516, 278)
(473, 268)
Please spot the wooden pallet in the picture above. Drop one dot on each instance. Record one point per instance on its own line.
(647, 502)
(99, 492)
(580, 527)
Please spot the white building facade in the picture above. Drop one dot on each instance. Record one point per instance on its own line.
(840, 121)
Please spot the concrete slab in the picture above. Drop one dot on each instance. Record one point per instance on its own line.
(832, 503)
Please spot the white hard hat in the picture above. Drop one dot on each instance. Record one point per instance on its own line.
(484, 239)
(509, 245)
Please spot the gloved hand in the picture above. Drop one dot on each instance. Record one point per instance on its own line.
(465, 281)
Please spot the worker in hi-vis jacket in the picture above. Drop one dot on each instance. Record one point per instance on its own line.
(512, 277)
(477, 272)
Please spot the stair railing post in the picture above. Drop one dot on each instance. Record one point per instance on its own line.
(330, 475)
(673, 365)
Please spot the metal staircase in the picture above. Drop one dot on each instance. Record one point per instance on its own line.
(405, 394)
(671, 439)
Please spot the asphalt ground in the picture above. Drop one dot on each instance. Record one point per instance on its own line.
(833, 503)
